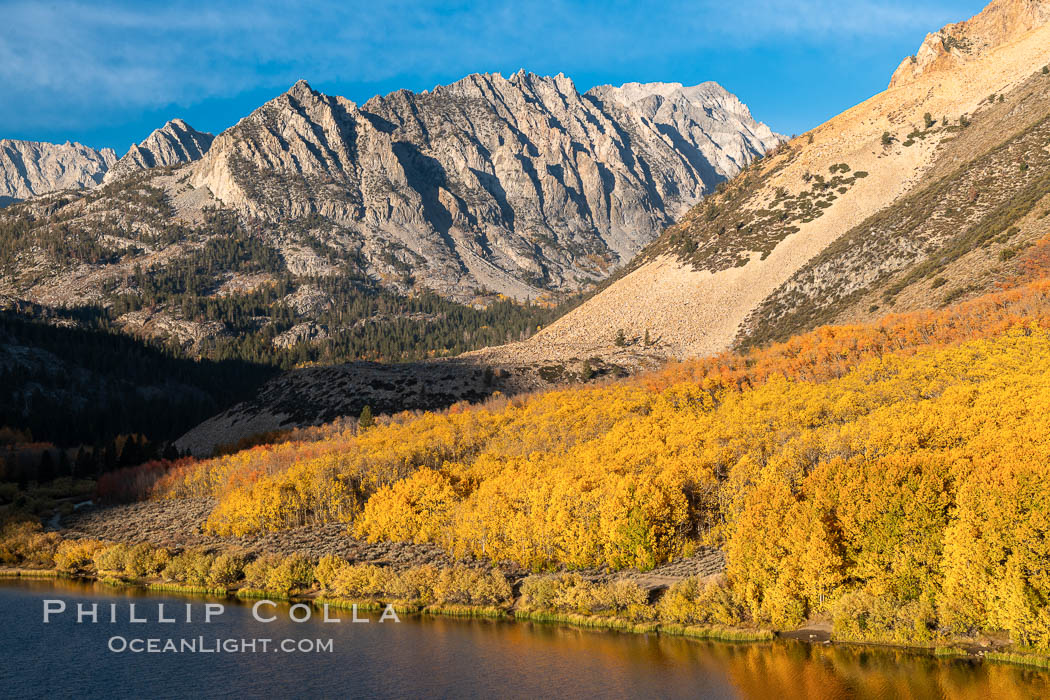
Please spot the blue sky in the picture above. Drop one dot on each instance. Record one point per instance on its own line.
(107, 73)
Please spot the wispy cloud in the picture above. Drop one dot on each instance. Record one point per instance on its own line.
(75, 61)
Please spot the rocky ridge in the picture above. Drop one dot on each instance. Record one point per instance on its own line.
(516, 185)
(175, 142)
(31, 168)
(521, 187)
(1000, 23)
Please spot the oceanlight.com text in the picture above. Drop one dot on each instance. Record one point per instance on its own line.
(214, 645)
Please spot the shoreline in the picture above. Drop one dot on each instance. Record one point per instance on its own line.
(810, 635)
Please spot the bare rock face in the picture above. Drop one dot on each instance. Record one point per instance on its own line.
(516, 185)
(1001, 22)
(176, 142)
(30, 168)
(305, 332)
(709, 125)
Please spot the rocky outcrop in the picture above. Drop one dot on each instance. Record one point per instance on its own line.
(517, 185)
(176, 142)
(31, 168)
(1001, 22)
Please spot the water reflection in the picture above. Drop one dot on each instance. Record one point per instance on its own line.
(452, 658)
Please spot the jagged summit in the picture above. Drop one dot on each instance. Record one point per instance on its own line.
(176, 142)
(31, 168)
(636, 91)
(701, 114)
(518, 185)
(999, 23)
(302, 90)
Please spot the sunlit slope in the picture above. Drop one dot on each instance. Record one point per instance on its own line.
(693, 288)
(812, 463)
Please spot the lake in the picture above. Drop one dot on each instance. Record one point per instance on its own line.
(430, 657)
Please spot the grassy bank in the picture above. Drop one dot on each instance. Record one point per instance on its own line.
(1031, 660)
(487, 611)
(30, 573)
(587, 621)
(183, 588)
(718, 634)
(947, 651)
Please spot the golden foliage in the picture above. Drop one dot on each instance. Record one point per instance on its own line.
(893, 476)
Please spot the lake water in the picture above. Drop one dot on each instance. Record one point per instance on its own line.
(436, 658)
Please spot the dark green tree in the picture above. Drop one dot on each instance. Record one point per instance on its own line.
(366, 420)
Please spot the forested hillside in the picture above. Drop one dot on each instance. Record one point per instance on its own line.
(72, 379)
(890, 476)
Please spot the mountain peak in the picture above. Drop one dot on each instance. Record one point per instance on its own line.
(518, 185)
(175, 142)
(1001, 22)
(30, 168)
(301, 89)
(697, 110)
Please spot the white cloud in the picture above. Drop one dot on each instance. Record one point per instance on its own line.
(69, 60)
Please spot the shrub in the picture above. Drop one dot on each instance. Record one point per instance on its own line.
(293, 572)
(144, 560)
(415, 584)
(467, 586)
(191, 567)
(111, 559)
(624, 594)
(225, 570)
(540, 592)
(692, 602)
(880, 615)
(887, 139)
(257, 571)
(359, 581)
(327, 571)
(78, 555)
(25, 543)
(571, 593)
